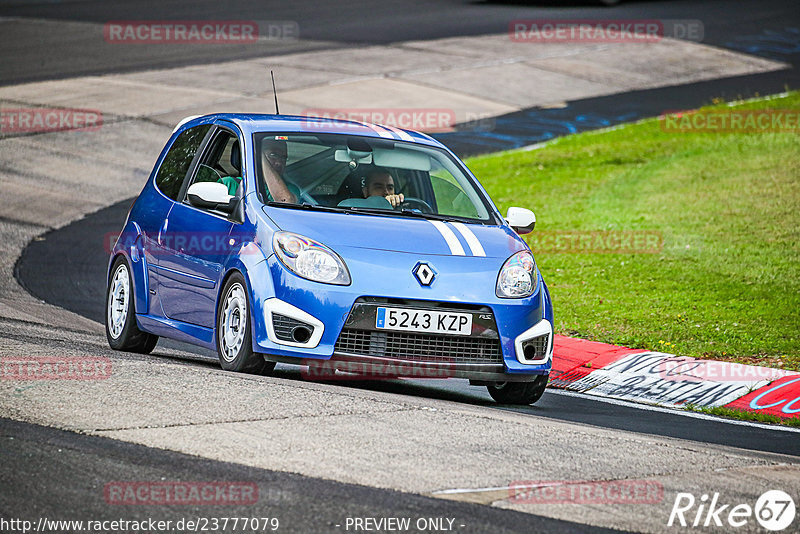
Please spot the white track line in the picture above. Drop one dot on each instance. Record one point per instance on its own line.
(684, 413)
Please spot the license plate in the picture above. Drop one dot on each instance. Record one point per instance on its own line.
(430, 321)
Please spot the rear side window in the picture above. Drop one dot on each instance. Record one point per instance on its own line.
(178, 160)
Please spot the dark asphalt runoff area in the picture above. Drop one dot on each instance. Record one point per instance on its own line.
(78, 50)
(57, 475)
(61, 475)
(33, 51)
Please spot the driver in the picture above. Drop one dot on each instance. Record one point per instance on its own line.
(379, 183)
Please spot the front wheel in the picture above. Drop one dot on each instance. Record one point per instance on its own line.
(518, 392)
(234, 344)
(121, 329)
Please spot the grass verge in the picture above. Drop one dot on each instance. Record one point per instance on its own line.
(723, 282)
(743, 415)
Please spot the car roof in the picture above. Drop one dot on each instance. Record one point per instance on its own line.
(251, 123)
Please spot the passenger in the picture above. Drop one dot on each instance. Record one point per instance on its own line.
(273, 162)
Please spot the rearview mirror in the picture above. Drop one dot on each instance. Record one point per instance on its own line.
(521, 220)
(211, 196)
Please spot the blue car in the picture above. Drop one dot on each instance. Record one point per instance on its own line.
(350, 247)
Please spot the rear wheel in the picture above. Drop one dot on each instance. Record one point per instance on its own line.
(518, 392)
(234, 344)
(121, 329)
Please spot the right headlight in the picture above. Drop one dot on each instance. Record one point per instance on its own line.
(310, 259)
(517, 278)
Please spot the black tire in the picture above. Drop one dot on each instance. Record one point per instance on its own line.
(122, 331)
(518, 392)
(237, 355)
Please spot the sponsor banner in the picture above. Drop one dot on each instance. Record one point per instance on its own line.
(198, 31)
(596, 241)
(731, 121)
(180, 493)
(574, 358)
(586, 492)
(38, 120)
(604, 31)
(780, 398)
(357, 370)
(54, 368)
(641, 378)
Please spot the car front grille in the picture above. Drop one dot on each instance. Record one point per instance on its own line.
(419, 347)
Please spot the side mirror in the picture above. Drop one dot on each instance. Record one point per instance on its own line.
(521, 220)
(211, 196)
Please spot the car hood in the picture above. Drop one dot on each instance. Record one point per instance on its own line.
(398, 234)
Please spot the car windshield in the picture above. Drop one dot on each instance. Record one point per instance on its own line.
(381, 176)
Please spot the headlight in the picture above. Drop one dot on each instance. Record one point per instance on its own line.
(517, 278)
(309, 259)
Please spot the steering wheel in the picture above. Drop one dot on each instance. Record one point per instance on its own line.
(416, 203)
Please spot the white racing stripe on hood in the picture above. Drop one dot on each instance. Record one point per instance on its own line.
(383, 132)
(452, 241)
(403, 135)
(474, 245)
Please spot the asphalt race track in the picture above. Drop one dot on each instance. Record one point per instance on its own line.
(85, 274)
(322, 452)
(76, 464)
(329, 23)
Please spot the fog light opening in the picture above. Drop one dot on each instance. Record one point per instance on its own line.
(535, 349)
(301, 334)
(529, 351)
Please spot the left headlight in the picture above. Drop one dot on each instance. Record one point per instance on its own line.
(309, 259)
(517, 278)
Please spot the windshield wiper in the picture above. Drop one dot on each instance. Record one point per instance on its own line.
(376, 211)
(306, 206)
(409, 213)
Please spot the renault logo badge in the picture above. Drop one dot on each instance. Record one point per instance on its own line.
(424, 273)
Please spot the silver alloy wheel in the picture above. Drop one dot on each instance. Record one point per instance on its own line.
(119, 293)
(234, 322)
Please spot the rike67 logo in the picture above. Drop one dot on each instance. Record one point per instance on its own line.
(774, 510)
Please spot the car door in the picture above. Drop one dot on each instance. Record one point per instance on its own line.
(169, 180)
(196, 241)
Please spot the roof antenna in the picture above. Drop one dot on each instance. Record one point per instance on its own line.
(274, 92)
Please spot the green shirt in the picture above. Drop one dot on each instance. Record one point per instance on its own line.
(232, 183)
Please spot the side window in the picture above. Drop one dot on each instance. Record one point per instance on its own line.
(177, 161)
(221, 162)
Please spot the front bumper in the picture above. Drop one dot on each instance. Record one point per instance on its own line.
(330, 311)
